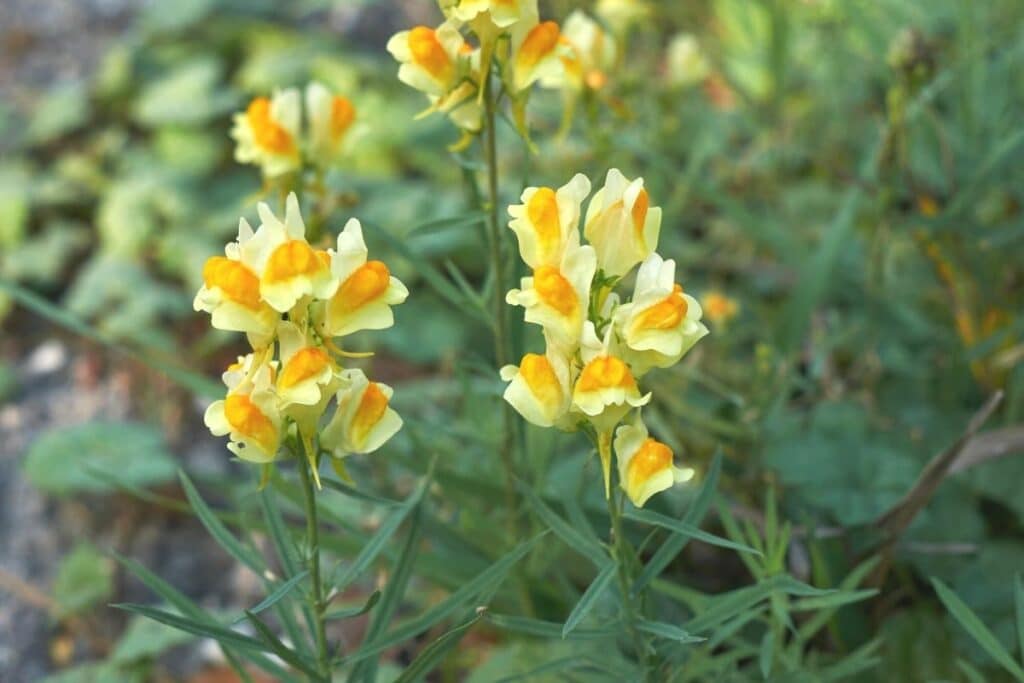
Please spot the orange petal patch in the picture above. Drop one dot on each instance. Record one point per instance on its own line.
(539, 43)
(664, 315)
(605, 372)
(342, 116)
(554, 290)
(542, 210)
(308, 362)
(367, 283)
(541, 378)
(236, 281)
(268, 134)
(247, 419)
(291, 259)
(651, 458)
(428, 53)
(371, 409)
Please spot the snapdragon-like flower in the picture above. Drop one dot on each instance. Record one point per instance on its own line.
(364, 420)
(621, 224)
(593, 52)
(331, 119)
(280, 397)
(539, 56)
(556, 297)
(645, 465)
(661, 322)
(546, 223)
(366, 290)
(267, 133)
(598, 346)
(488, 15)
(250, 413)
(685, 62)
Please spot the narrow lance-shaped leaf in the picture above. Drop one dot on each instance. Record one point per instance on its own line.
(684, 529)
(593, 593)
(220, 533)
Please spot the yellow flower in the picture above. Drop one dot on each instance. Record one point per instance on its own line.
(661, 323)
(289, 268)
(500, 14)
(606, 389)
(366, 290)
(645, 465)
(620, 14)
(685, 63)
(307, 370)
(719, 307)
(539, 388)
(231, 294)
(593, 52)
(539, 56)
(249, 414)
(556, 297)
(267, 133)
(331, 119)
(429, 58)
(546, 223)
(621, 224)
(363, 421)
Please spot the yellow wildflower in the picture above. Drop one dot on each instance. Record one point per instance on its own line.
(621, 224)
(645, 465)
(363, 421)
(267, 133)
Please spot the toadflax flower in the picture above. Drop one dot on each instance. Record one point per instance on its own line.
(289, 268)
(645, 464)
(277, 399)
(364, 420)
(539, 56)
(249, 414)
(597, 346)
(546, 223)
(267, 133)
(621, 224)
(330, 121)
(366, 290)
(661, 322)
(593, 52)
(685, 62)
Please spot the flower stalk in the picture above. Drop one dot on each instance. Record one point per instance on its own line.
(316, 598)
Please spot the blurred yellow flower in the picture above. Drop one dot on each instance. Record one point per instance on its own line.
(661, 322)
(364, 420)
(621, 14)
(593, 52)
(267, 133)
(539, 57)
(685, 62)
(621, 224)
(331, 120)
(645, 465)
(547, 221)
(484, 15)
(718, 307)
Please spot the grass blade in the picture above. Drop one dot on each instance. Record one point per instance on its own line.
(686, 530)
(432, 654)
(565, 531)
(278, 593)
(220, 533)
(668, 631)
(977, 630)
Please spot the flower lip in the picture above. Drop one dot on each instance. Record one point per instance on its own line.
(605, 372)
(291, 259)
(234, 279)
(248, 420)
(306, 363)
(369, 282)
(428, 53)
(267, 132)
(555, 290)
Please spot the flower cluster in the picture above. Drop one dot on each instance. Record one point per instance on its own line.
(508, 34)
(269, 132)
(598, 346)
(292, 300)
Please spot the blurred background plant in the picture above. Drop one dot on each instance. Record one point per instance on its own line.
(841, 186)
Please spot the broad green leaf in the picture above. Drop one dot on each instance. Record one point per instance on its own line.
(59, 461)
(684, 529)
(590, 598)
(974, 626)
(62, 110)
(84, 579)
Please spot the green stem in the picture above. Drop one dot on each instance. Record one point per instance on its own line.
(498, 269)
(313, 548)
(622, 554)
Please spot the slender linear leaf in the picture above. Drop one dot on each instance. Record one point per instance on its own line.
(832, 601)
(550, 629)
(220, 533)
(353, 492)
(278, 593)
(684, 529)
(431, 655)
(593, 593)
(977, 629)
(1018, 599)
(350, 612)
(563, 529)
(555, 665)
(200, 628)
(675, 543)
(280, 649)
(667, 631)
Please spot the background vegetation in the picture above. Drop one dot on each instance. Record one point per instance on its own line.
(848, 173)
